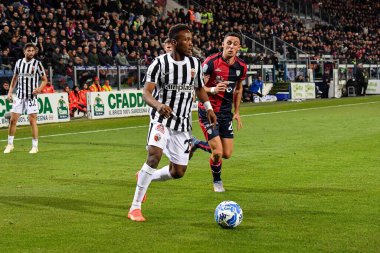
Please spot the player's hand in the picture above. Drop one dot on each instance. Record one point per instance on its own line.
(36, 91)
(211, 117)
(10, 97)
(220, 87)
(164, 110)
(238, 120)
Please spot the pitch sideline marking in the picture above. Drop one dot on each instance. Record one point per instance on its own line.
(246, 115)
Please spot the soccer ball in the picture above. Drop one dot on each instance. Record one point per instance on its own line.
(228, 214)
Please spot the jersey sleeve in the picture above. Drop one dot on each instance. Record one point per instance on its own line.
(40, 69)
(198, 80)
(16, 71)
(207, 67)
(153, 72)
(244, 74)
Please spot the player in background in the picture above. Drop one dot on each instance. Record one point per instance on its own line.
(167, 46)
(27, 74)
(223, 74)
(170, 82)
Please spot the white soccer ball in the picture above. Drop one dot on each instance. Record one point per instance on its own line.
(228, 214)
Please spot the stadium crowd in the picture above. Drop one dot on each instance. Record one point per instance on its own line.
(71, 33)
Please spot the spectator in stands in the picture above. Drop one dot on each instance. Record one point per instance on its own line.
(93, 58)
(49, 88)
(121, 58)
(95, 87)
(4, 89)
(107, 86)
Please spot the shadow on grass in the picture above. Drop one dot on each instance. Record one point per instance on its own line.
(294, 190)
(109, 182)
(102, 144)
(31, 202)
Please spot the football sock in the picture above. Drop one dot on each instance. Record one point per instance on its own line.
(35, 143)
(145, 177)
(162, 174)
(10, 139)
(216, 170)
(204, 146)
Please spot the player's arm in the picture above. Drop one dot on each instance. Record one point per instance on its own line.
(220, 87)
(162, 109)
(12, 86)
(237, 98)
(203, 97)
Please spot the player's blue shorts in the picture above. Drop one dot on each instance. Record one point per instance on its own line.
(223, 128)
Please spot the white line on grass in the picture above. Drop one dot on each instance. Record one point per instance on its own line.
(246, 115)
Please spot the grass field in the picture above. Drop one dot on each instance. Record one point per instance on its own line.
(307, 176)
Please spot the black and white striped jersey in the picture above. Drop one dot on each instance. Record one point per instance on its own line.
(29, 74)
(175, 82)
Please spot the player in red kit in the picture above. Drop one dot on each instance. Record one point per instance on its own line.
(223, 74)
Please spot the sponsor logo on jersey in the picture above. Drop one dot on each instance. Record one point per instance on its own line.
(218, 70)
(179, 87)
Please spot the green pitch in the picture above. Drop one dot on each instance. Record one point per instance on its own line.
(307, 176)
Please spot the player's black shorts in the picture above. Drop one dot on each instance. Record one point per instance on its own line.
(223, 128)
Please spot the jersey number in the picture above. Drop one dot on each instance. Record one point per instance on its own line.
(188, 146)
(32, 102)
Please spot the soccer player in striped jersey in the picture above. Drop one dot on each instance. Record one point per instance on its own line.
(170, 82)
(224, 73)
(27, 74)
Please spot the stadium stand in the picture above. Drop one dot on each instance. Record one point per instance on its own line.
(85, 33)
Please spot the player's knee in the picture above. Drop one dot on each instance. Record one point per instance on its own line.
(216, 156)
(227, 155)
(153, 161)
(177, 172)
(13, 121)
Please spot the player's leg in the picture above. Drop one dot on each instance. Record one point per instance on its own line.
(224, 150)
(32, 110)
(11, 132)
(157, 140)
(205, 126)
(16, 111)
(143, 182)
(228, 147)
(216, 163)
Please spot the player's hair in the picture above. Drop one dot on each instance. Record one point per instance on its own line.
(175, 29)
(233, 34)
(27, 45)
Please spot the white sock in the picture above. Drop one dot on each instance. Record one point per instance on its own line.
(145, 177)
(10, 139)
(35, 143)
(162, 174)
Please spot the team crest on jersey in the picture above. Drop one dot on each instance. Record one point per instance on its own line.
(160, 128)
(238, 72)
(33, 69)
(157, 137)
(192, 73)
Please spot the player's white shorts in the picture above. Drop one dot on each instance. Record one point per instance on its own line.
(175, 144)
(28, 105)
